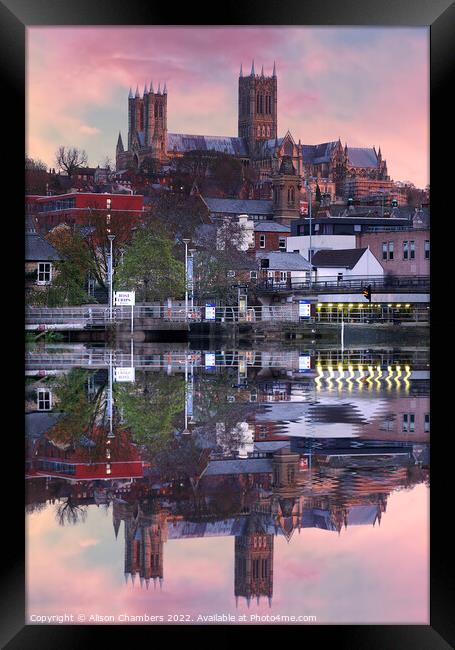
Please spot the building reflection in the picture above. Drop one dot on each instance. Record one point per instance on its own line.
(243, 472)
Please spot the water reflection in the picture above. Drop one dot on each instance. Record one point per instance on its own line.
(209, 445)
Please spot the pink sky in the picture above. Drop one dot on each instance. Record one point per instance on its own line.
(368, 86)
(364, 575)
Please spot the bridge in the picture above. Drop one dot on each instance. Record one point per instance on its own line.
(329, 362)
(352, 284)
(155, 317)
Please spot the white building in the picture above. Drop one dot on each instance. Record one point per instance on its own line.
(301, 243)
(348, 263)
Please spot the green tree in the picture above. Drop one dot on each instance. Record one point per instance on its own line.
(151, 407)
(79, 411)
(150, 267)
(69, 286)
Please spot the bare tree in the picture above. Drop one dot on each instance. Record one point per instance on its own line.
(69, 159)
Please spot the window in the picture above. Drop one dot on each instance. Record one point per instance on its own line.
(408, 422)
(43, 399)
(282, 243)
(427, 249)
(427, 423)
(390, 250)
(44, 272)
(412, 252)
(384, 250)
(231, 274)
(253, 275)
(405, 250)
(261, 241)
(283, 276)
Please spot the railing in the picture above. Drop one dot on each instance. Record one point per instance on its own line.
(209, 360)
(346, 285)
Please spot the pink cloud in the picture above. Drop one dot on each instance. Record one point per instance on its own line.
(331, 83)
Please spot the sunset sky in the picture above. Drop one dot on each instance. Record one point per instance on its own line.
(368, 86)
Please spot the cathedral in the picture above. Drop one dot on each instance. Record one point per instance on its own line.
(257, 143)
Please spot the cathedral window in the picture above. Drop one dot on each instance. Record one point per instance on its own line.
(263, 131)
(268, 131)
(259, 131)
(257, 103)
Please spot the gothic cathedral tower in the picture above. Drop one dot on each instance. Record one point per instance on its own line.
(257, 108)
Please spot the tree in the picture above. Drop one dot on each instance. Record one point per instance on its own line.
(179, 216)
(69, 159)
(150, 267)
(69, 286)
(150, 408)
(227, 172)
(36, 176)
(220, 255)
(97, 242)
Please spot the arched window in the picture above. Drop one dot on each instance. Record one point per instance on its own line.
(268, 131)
(259, 131)
(263, 131)
(257, 103)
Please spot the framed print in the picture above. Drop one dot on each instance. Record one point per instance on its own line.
(229, 389)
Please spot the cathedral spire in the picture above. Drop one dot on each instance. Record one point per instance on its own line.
(151, 87)
(130, 95)
(145, 90)
(241, 71)
(262, 71)
(274, 70)
(165, 89)
(137, 91)
(159, 88)
(252, 69)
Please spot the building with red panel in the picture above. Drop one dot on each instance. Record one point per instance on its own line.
(76, 208)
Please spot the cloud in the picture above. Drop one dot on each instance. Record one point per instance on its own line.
(368, 86)
(89, 130)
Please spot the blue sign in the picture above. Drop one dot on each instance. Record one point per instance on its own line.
(189, 270)
(304, 309)
(209, 311)
(304, 363)
(210, 360)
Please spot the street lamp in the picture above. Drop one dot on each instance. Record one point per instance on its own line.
(192, 251)
(310, 252)
(110, 273)
(186, 242)
(110, 260)
(110, 402)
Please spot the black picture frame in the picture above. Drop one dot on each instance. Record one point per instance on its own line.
(439, 15)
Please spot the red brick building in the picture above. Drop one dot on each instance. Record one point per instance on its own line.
(75, 208)
(400, 252)
(270, 236)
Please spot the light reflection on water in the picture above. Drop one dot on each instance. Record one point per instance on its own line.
(250, 487)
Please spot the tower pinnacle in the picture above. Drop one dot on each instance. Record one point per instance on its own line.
(252, 69)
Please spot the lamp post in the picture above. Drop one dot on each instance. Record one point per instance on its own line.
(110, 404)
(192, 251)
(186, 242)
(110, 272)
(310, 252)
(110, 263)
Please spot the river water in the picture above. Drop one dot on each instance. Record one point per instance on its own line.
(175, 485)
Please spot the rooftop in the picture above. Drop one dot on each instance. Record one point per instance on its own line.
(38, 249)
(346, 258)
(239, 206)
(271, 226)
(279, 261)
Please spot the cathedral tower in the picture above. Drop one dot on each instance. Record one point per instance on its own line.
(257, 108)
(286, 187)
(253, 565)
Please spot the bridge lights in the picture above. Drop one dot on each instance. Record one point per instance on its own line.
(366, 291)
